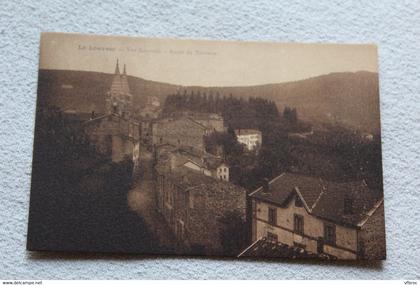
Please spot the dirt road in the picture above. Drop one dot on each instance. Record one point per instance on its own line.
(142, 199)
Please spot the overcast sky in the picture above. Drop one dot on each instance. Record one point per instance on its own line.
(203, 63)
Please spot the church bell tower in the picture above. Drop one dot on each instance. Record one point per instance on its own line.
(119, 98)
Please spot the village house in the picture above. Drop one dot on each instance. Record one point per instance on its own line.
(185, 130)
(343, 220)
(197, 160)
(252, 139)
(193, 202)
(211, 121)
(115, 134)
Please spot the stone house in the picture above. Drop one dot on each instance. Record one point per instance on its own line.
(211, 121)
(179, 131)
(252, 139)
(344, 220)
(114, 137)
(200, 161)
(192, 204)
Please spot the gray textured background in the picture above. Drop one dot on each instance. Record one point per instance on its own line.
(393, 25)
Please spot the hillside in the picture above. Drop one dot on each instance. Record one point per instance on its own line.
(350, 99)
(85, 91)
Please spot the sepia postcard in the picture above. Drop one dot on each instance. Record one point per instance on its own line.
(211, 148)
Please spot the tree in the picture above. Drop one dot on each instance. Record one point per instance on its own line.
(233, 233)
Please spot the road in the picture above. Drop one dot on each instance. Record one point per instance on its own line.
(142, 199)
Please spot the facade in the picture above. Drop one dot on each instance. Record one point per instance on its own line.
(213, 122)
(192, 204)
(116, 134)
(252, 139)
(344, 220)
(114, 137)
(146, 131)
(179, 131)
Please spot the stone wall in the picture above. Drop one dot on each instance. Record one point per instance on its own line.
(113, 136)
(372, 241)
(199, 209)
(179, 132)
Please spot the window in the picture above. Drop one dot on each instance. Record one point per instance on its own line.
(224, 169)
(348, 206)
(329, 234)
(298, 224)
(272, 237)
(298, 202)
(272, 216)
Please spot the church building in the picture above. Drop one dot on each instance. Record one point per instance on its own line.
(115, 134)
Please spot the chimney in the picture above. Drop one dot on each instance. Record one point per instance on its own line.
(92, 115)
(266, 186)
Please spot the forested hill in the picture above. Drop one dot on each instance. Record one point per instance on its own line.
(350, 99)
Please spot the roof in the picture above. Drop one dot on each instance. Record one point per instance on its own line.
(331, 203)
(199, 157)
(205, 116)
(321, 198)
(184, 177)
(188, 119)
(239, 132)
(100, 118)
(272, 249)
(198, 115)
(285, 184)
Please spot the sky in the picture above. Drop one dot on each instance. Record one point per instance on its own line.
(203, 62)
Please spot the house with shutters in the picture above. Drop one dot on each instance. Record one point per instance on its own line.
(341, 220)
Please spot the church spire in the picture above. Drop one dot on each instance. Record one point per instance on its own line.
(117, 68)
(125, 73)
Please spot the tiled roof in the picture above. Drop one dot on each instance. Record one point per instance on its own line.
(331, 203)
(285, 184)
(324, 199)
(184, 177)
(271, 249)
(199, 157)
